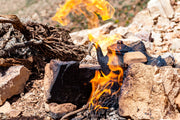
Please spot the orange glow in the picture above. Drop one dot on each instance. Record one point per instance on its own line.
(89, 8)
(102, 83)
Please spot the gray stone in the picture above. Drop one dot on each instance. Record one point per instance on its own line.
(12, 82)
(149, 92)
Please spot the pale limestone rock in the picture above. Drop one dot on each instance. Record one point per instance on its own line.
(144, 35)
(157, 39)
(12, 82)
(81, 37)
(176, 44)
(160, 8)
(14, 113)
(142, 21)
(177, 59)
(5, 108)
(134, 57)
(149, 92)
(119, 30)
(163, 24)
(177, 101)
(58, 110)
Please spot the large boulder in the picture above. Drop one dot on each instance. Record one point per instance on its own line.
(149, 92)
(12, 81)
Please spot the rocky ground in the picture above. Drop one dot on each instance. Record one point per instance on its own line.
(159, 30)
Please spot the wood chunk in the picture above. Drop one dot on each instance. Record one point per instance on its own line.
(68, 82)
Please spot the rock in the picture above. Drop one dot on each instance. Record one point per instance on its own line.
(119, 30)
(169, 58)
(144, 35)
(157, 39)
(56, 111)
(162, 24)
(149, 92)
(134, 57)
(177, 101)
(14, 113)
(160, 7)
(5, 108)
(177, 59)
(12, 81)
(175, 45)
(81, 37)
(142, 21)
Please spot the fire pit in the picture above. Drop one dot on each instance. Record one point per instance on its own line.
(106, 80)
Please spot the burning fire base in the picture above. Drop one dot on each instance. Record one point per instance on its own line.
(70, 82)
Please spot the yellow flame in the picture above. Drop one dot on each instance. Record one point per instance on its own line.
(89, 8)
(102, 83)
(104, 41)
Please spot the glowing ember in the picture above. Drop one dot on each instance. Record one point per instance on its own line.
(89, 8)
(102, 84)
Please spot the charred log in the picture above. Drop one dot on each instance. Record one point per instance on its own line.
(21, 40)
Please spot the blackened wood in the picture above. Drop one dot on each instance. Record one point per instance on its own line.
(70, 82)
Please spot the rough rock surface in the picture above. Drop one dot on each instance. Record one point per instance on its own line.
(149, 92)
(134, 57)
(160, 7)
(177, 101)
(58, 110)
(12, 81)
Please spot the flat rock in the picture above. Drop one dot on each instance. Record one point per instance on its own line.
(149, 92)
(134, 57)
(58, 110)
(12, 81)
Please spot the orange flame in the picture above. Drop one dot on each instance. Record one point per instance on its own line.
(89, 8)
(102, 83)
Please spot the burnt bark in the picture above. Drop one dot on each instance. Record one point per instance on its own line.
(21, 40)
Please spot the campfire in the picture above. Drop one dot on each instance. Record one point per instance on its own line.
(105, 72)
